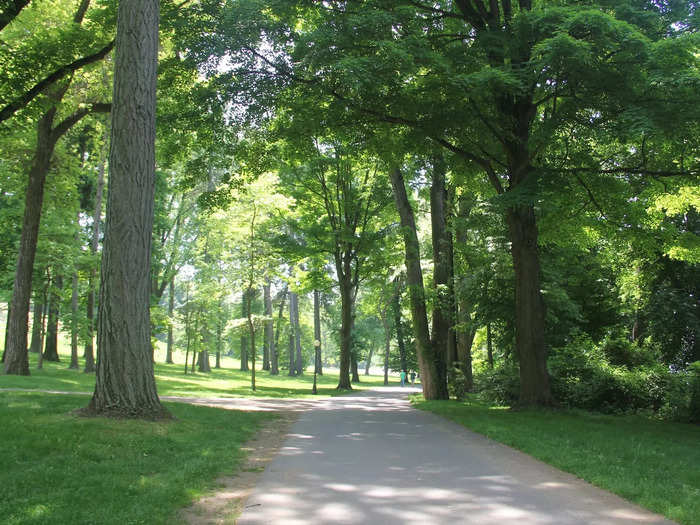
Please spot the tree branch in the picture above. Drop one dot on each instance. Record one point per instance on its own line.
(70, 121)
(54, 77)
(10, 12)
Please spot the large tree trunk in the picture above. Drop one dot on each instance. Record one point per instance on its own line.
(94, 244)
(442, 262)
(171, 309)
(51, 346)
(245, 340)
(37, 327)
(430, 362)
(292, 368)
(125, 383)
(203, 364)
(529, 307)
(267, 334)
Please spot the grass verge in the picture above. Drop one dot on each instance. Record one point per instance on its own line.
(60, 468)
(652, 463)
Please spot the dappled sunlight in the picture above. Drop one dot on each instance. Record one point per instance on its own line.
(402, 466)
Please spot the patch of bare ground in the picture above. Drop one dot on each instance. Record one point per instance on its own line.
(227, 502)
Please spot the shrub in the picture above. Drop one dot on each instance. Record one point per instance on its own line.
(457, 383)
(499, 385)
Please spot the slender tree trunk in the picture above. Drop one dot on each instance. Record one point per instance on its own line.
(219, 342)
(387, 347)
(251, 328)
(317, 332)
(529, 308)
(466, 332)
(292, 368)
(369, 359)
(171, 309)
(489, 345)
(125, 383)
(51, 347)
(299, 361)
(94, 244)
(431, 363)
(16, 358)
(245, 340)
(35, 346)
(274, 348)
(267, 331)
(396, 308)
(74, 322)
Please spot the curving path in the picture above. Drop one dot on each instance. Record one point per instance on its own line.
(372, 459)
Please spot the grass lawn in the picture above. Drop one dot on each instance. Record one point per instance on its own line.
(652, 463)
(60, 468)
(227, 381)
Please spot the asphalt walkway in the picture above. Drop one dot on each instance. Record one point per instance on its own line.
(371, 458)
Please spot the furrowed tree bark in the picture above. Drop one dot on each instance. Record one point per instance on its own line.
(125, 383)
(430, 362)
(442, 306)
(51, 345)
(267, 334)
(529, 307)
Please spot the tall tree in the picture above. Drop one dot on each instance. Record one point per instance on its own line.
(125, 383)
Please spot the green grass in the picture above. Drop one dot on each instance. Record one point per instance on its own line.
(227, 381)
(652, 463)
(60, 468)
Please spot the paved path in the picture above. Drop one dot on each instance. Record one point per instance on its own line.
(372, 459)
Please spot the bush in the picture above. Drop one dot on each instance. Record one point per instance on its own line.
(499, 385)
(457, 383)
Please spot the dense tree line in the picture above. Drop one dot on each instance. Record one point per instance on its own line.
(499, 195)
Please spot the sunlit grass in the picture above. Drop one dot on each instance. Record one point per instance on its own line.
(652, 463)
(227, 381)
(59, 468)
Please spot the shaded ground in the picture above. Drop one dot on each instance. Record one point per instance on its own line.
(371, 458)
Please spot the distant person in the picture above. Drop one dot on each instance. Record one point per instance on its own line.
(403, 377)
(413, 377)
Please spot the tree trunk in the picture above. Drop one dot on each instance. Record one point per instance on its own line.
(466, 332)
(74, 321)
(292, 368)
(51, 346)
(251, 329)
(203, 362)
(244, 336)
(489, 346)
(317, 332)
(94, 243)
(35, 346)
(274, 348)
(125, 383)
(529, 307)
(346, 326)
(396, 308)
(299, 361)
(442, 274)
(430, 362)
(16, 358)
(369, 360)
(171, 309)
(353, 368)
(219, 340)
(267, 331)
(387, 347)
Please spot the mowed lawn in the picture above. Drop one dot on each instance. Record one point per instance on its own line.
(59, 468)
(655, 464)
